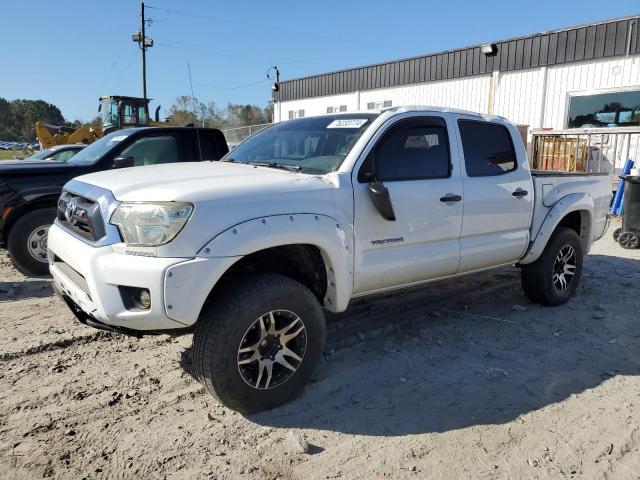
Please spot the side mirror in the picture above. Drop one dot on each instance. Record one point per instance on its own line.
(122, 162)
(381, 199)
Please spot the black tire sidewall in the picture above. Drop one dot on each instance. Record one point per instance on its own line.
(222, 333)
(17, 241)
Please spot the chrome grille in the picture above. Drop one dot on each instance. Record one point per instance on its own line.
(80, 215)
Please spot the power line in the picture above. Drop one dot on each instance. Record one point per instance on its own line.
(177, 44)
(237, 87)
(238, 22)
(333, 37)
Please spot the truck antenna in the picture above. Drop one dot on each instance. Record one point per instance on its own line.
(195, 115)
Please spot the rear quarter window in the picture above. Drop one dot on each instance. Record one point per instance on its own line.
(213, 145)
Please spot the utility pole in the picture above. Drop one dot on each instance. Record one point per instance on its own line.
(140, 37)
(274, 87)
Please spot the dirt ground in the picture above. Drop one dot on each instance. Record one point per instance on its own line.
(463, 379)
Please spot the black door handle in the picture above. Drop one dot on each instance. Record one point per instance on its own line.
(520, 193)
(451, 198)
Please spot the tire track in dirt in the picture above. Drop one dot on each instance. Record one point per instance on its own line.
(95, 336)
(347, 329)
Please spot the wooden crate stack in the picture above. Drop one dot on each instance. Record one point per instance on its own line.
(561, 154)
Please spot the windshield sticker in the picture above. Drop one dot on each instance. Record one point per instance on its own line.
(348, 123)
(119, 138)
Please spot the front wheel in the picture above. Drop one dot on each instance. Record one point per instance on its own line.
(256, 345)
(554, 277)
(27, 242)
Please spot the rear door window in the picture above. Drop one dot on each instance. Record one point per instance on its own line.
(488, 148)
(64, 155)
(152, 150)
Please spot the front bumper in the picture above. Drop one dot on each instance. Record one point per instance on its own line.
(89, 277)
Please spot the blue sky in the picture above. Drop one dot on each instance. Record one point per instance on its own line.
(69, 53)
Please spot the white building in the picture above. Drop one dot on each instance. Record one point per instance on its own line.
(573, 77)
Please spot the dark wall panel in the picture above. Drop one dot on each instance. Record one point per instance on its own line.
(599, 40)
(581, 36)
(621, 38)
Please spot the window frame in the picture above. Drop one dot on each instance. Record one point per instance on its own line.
(464, 157)
(365, 177)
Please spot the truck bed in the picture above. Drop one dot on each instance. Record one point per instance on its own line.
(550, 187)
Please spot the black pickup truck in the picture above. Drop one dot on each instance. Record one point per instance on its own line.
(29, 190)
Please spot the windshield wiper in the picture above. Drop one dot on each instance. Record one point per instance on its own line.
(282, 166)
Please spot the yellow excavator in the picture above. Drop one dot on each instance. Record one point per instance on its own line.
(116, 112)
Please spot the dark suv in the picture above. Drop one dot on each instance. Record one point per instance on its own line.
(29, 191)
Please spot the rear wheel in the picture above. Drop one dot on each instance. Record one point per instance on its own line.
(629, 240)
(554, 277)
(27, 242)
(257, 344)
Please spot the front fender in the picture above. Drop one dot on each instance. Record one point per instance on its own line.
(322, 231)
(580, 202)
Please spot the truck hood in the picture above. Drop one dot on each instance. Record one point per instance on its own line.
(224, 195)
(13, 168)
(198, 181)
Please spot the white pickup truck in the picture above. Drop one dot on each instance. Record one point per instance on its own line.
(308, 214)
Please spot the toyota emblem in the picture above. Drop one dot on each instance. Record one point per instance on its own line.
(70, 210)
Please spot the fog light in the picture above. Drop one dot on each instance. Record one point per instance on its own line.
(135, 298)
(145, 299)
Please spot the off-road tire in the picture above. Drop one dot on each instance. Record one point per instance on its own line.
(537, 277)
(17, 243)
(224, 321)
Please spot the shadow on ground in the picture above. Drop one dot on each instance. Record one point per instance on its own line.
(20, 290)
(483, 355)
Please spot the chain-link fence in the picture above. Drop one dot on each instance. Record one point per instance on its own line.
(235, 135)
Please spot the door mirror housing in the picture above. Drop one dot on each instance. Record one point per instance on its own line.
(122, 162)
(381, 199)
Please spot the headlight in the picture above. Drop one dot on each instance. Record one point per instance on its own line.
(150, 224)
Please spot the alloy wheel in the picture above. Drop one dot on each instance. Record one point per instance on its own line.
(564, 267)
(629, 240)
(272, 349)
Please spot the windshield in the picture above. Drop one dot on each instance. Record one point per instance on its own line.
(92, 153)
(109, 112)
(315, 145)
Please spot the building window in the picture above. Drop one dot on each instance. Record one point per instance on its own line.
(341, 108)
(378, 105)
(612, 109)
(296, 114)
